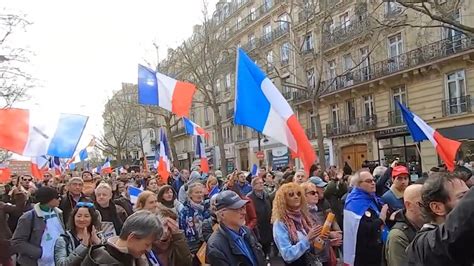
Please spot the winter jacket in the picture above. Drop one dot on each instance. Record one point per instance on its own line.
(26, 241)
(67, 253)
(400, 236)
(109, 254)
(449, 243)
(14, 215)
(382, 184)
(67, 205)
(369, 243)
(207, 227)
(177, 252)
(251, 216)
(222, 250)
(125, 203)
(263, 206)
(190, 221)
(333, 193)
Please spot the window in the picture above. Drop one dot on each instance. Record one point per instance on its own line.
(206, 116)
(270, 59)
(241, 133)
(347, 68)
(395, 48)
(310, 78)
(351, 112)
(453, 37)
(152, 134)
(335, 117)
(456, 100)
(228, 81)
(283, 22)
(253, 15)
(398, 95)
(365, 63)
(239, 22)
(267, 30)
(252, 41)
(285, 53)
(392, 8)
(267, 4)
(228, 134)
(308, 43)
(368, 107)
(344, 20)
(332, 69)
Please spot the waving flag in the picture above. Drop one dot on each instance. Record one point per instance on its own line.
(254, 171)
(5, 174)
(134, 192)
(39, 165)
(157, 89)
(420, 130)
(164, 164)
(259, 105)
(35, 134)
(193, 129)
(201, 154)
(106, 168)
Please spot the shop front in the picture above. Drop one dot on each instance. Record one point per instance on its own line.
(464, 134)
(229, 151)
(396, 143)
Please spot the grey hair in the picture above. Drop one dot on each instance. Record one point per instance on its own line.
(356, 178)
(192, 187)
(379, 170)
(103, 185)
(142, 224)
(255, 180)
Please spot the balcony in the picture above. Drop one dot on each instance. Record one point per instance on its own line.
(455, 106)
(357, 124)
(395, 118)
(288, 95)
(411, 59)
(344, 33)
(178, 131)
(265, 39)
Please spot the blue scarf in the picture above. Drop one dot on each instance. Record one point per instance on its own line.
(359, 201)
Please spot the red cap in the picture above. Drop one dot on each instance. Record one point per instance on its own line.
(399, 170)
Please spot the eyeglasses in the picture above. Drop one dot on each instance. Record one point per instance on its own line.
(27, 179)
(312, 193)
(292, 194)
(369, 181)
(85, 204)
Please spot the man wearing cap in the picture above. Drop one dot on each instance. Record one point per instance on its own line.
(400, 180)
(38, 229)
(73, 196)
(233, 243)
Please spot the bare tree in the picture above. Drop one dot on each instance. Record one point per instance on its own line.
(203, 59)
(14, 79)
(4, 155)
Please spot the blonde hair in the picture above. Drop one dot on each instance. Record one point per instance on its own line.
(307, 186)
(103, 185)
(142, 198)
(211, 180)
(279, 203)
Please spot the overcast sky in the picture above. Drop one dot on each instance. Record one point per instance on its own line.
(86, 49)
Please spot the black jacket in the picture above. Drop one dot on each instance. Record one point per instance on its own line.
(221, 249)
(369, 243)
(449, 243)
(109, 255)
(263, 208)
(67, 205)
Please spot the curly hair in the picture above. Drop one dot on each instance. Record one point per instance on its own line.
(279, 203)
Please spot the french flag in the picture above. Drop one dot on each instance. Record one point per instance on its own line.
(35, 134)
(56, 164)
(106, 168)
(164, 164)
(134, 192)
(259, 105)
(201, 154)
(193, 128)
(157, 89)
(39, 165)
(420, 130)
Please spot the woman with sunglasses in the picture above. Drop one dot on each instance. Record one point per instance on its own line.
(72, 247)
(293, 229)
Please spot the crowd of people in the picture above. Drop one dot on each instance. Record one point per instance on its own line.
(285, 217)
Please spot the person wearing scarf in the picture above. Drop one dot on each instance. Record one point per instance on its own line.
(293, 230)
(191, 217)
(167, 199)
(113, 216)
(364, 219)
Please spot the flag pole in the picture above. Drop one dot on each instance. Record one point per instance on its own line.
(419, 154)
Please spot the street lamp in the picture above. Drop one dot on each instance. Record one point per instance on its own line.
(259, 145)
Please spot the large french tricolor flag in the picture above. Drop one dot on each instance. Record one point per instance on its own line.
(157, 89)
(193, 128)
(106, 168)
(201, 154)
(164, 163)
(35, 133)
(420, 130)
(259, 105)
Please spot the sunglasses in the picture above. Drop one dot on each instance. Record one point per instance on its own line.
(28, 180)
(292, 194)
(85, 204)
(312, 193)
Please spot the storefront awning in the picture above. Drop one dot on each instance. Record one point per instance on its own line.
(458, 132)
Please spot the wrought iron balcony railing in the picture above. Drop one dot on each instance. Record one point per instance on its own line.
(230, 113)
(344, 33)
(352, 125)
(311, 133)
(454, 106)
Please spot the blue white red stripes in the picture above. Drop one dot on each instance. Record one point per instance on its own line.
(420, 130)
(201, 154)
(193, 128)
(164, 165)
(36, 133)
(259, 105)
(157, 89)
